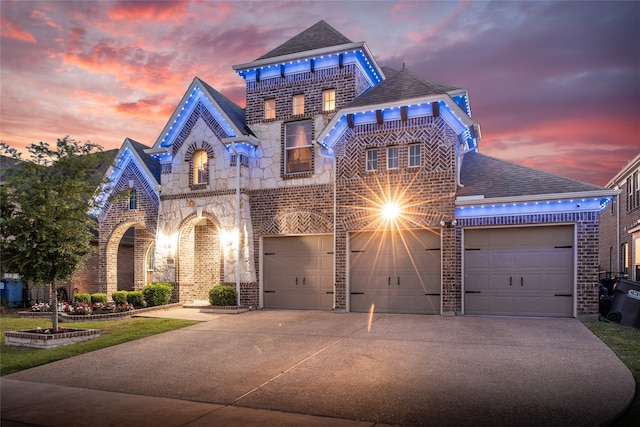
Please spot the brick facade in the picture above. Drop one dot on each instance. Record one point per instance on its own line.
(620, 226)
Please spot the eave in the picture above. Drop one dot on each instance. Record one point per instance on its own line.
(289, 64)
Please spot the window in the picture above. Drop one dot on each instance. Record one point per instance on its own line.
(636, 189)
(270, 109)
(328, 100)
(298, 149)
(414, 155)
(372, 160)
(298, 104)
(200, 160)
(392, 157)
(624, 261)
(133, 199)
(629, 193)
(150, 263)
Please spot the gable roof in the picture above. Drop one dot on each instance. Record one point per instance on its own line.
(152, 164)
(493, 178)
(318, 36)
(225, 118)
(401, 85)
(235, 113)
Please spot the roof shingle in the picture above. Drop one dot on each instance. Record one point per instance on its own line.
(400, 85)
(496, 178)
(318, 36)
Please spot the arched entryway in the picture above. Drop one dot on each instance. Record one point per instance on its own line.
(199, 259)
(126, 257)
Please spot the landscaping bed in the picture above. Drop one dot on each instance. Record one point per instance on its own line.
(46, 338)
(94, 317)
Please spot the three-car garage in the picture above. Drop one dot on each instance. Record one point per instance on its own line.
(509, 271)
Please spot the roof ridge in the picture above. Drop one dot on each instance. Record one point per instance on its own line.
(317, 36)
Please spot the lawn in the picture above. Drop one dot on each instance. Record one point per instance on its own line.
(13, 359)
(625, 342)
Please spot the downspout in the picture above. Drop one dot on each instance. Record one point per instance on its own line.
(235, 152)
(618, 263)
(335, 209)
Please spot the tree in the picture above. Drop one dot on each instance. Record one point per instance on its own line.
(45, 205)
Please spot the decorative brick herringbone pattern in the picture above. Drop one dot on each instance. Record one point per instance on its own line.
(430, 132)
(298, 222)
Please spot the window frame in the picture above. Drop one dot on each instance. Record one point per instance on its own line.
(629, 193)
(371, 164)
(328, 100)
(200, 172)
(297, 102)
(395, 158)
(636, 189)
(270, 109)
(133, 199)
(413, 156)
(303, 150)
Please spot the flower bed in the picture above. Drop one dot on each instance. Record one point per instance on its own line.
(93, 315)
(46, 338)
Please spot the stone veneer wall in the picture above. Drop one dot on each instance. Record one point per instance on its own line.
(587, 224)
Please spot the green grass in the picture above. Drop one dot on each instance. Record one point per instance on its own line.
(625, 342)
(14, 359)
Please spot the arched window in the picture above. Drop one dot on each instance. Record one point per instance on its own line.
(200, 160)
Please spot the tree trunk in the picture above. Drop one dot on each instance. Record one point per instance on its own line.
(54, 307)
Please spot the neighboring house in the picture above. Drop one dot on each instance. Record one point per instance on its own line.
(620, 226)
(347, 186)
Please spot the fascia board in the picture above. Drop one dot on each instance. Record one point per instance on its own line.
(300, 55)
(174, 116)
(479, 200)
(466, 120)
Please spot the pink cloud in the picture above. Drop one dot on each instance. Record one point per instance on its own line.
(36, 14)
(15, 31)
(149, 10)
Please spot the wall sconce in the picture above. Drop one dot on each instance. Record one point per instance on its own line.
(448, 224)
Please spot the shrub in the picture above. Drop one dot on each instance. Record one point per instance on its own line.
(83, 298)
(157, 293)
(102, 298)
(223, 295)
(119, 297)
(135, 299)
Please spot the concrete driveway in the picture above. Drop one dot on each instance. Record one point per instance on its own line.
(397, 369)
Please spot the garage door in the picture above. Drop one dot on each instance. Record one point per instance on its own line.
(525, 271)
(397, 272)
(298, 272)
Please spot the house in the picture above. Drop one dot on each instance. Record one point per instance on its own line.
(620, 226)
(346, 186)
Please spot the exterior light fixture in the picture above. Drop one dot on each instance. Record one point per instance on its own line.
(448, 224)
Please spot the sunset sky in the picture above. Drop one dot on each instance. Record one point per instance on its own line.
(554, 85)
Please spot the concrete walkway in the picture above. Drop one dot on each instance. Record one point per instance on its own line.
(285, 368)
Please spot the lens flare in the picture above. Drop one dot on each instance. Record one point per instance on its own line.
(390, 211)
